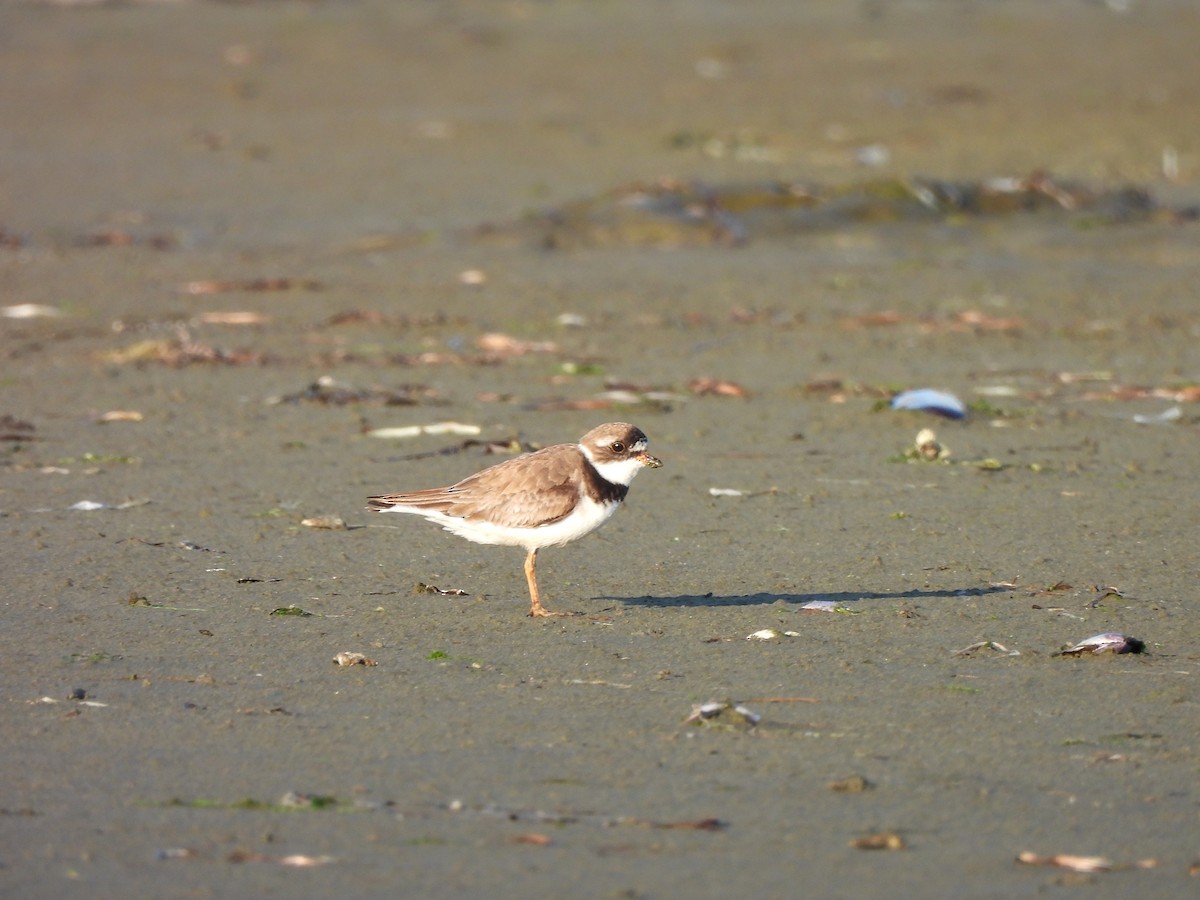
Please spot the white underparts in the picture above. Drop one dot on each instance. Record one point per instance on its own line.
(587, 516)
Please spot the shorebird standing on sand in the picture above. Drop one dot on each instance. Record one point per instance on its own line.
(543, 499)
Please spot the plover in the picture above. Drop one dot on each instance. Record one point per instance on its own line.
(542, 499)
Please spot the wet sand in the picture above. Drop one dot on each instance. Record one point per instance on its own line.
(160, 724)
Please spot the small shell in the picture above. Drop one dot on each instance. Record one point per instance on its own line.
(752, 718)
(852, 784)
(336, 523)
(821, 606)
(883, 840)
(1067, 861)
(120, 415)
(1167, 415)
(507, 345)
(710, 709)
(301, 860)
(929, 400)
(766, 634)
(351, 658)
(715, 710)
(433, 428)
(1106, 643)
(928, 447)
(30, 311)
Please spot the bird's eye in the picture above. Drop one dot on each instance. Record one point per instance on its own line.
(617, 447)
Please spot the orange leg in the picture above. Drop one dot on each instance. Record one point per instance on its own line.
(535, 598)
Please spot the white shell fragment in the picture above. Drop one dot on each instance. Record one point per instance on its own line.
(353, 658)
(770, 634)
(434, 428)
(1067, 861)
(96, 704)
(336, 523)
(90, 505)
(119, 415)
(30, 311)
(1172, 414)
(997, 390)
(1106, 643)
(301, 860)
(928, 447)
(822, 606)
(716, 709)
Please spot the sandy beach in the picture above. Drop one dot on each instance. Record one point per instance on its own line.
(809, 660)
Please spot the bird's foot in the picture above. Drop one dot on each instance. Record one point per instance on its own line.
(538, 612)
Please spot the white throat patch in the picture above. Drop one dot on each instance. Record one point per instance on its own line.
(618, 471)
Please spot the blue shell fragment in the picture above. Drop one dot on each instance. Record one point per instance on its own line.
(929, 400)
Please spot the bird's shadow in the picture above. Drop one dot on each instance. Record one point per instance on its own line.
(766, 598)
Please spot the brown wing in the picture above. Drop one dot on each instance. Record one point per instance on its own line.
(524, 492)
